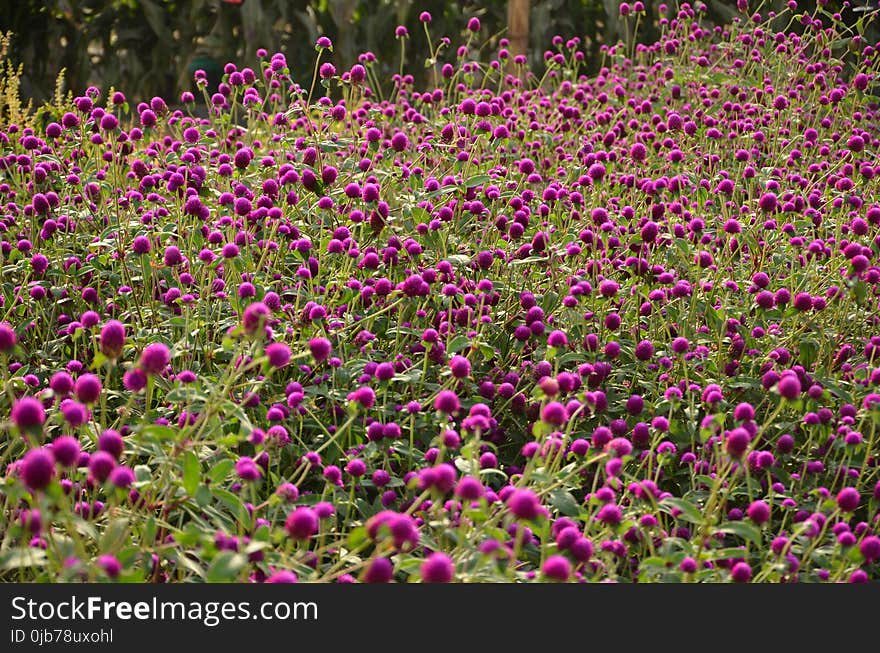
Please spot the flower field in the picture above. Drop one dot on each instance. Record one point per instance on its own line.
(612, 328)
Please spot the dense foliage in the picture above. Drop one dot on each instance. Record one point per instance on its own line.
(620, 327)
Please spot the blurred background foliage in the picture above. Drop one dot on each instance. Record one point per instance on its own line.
(152, 47)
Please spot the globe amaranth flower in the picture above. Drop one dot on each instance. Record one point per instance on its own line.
(112, 339)
(278, 354)
(320, 349)
(437, 568)
(155, 358)
(556, 568)
(447, 402)
(247, 469)
(301, 524)
(38, 468)
(380, 570)
(28, 414)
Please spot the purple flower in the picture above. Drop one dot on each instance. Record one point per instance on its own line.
(437, 568)
(28, 414)
(254, 317)
(38, 468)
(155, 358)
(644, 350)
(741, 572)
(460, 366)
(278, 354)
(301, 524)
(88, 388)
(247, 469)
(524, 504)
(380, 570)
(66, 450)
(111, 441)
(554, 413)
(759, 512)
(447, 402)
(7, 337)
(109, 564)
(283, 576)
(112, 339)
(101, 464)
(556, 568)
(870, 548)
(789, 386)
(122, 477)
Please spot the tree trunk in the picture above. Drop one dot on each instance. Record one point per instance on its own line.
(518, 26)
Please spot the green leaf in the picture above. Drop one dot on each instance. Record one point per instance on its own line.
(457, 344)
(357, 537)
(688, 511)
(115, 535)
(23, 557)
(745, 530)
(191, 472)
(476, 180)
(565, 503)
(225, 567)
(203, 496)
(220, 470)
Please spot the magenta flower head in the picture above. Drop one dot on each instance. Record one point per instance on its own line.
(283, 576)
(122, 477)
(759, 512)
(737, 442)
(278, 354)
(848, 499)
(38, 468)
(111, 441)
(556, 568)
(644, 350)
(870, 548)
(301, 524)
(134, 380)
(554, 413)
(447, 402)
(741, 572)
(247, 469)
(88, 388)
(437, 568)
(357, 74)
(66, 450)
(101, 463)
(380, 570)
(61, 384)
(524, 504)
(323, 42)
(7, 337)
(254, 317)
(557, 339)
(474, 25)
(320, 348)
(155, 358)
(789, 386)
(460, 366)
(327, 70)
(172, 256)
(112, 339)
(110, 565)
(365, 396)
(28, 414)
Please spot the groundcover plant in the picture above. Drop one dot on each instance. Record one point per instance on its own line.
(611, 328)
